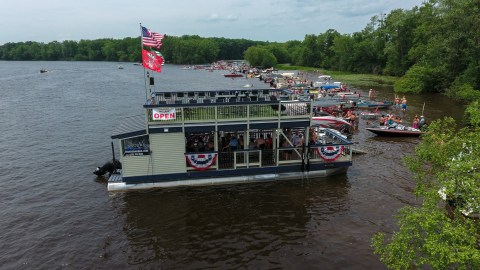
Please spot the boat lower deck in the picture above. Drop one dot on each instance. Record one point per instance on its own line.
(116, 184)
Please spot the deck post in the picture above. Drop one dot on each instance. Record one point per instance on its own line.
(113, 154)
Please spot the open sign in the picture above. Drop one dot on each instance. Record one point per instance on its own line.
(164, 114)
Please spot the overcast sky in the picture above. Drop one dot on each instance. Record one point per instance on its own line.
(261, 20)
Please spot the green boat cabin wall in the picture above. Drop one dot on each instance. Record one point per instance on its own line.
(167, 156)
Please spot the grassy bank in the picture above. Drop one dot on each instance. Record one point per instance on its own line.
(353, 79)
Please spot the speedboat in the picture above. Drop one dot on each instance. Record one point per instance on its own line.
(329, 121)
(398, 131)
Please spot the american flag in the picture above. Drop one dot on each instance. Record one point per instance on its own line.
(151, 39)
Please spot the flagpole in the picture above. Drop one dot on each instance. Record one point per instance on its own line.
(144, 70)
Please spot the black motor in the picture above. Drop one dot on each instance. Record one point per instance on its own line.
(109, 167)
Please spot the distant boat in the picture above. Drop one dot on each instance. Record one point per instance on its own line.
(233, 75)
(43, 70)
(120, 67)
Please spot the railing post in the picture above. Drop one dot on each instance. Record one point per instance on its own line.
(260, 158)
(234, 159)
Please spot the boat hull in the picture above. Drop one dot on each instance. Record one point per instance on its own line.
(266, 177)
(232, 75)
(395, 132)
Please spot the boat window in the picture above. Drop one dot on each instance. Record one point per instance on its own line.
(199, 142)
(137, 146)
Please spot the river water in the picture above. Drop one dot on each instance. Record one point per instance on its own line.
(55, 214)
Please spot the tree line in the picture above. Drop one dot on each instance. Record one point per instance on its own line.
(433, 48)
(187, 49)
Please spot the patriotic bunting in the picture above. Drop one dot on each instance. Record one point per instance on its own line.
(201, 162)
(330, 153)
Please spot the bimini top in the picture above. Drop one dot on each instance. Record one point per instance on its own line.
(132, 126)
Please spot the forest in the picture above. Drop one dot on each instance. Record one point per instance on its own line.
(433, 48)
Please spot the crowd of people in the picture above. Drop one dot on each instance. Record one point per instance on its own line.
(392, 120)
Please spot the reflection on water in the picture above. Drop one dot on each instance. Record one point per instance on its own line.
(235, 225)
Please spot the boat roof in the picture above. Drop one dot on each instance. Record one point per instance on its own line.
(132, 126)
(194, 98)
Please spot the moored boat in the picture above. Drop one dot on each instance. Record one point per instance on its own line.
(233, 75)
(329, 121)
(396, 132)
(369, 104)
(218, 137)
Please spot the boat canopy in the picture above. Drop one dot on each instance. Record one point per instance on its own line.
(130, 127)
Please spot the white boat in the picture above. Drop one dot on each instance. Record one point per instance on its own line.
(328, 121)
(325, 77)
(288, 74)
(347, 95)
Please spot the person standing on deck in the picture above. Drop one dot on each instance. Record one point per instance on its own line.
(260, 142)
(371, 94)
(404, 104)
(232, 145)
(422, 124)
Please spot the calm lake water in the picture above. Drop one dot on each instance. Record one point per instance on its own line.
(55, 214)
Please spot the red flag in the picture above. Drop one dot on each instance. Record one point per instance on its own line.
(152, 61)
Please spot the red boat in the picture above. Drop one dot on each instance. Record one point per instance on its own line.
(328, 121)
(233, 75)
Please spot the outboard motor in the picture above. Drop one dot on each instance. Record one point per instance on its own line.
(109, 167)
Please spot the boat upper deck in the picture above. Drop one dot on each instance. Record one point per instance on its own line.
(246, 106)
(216, 98)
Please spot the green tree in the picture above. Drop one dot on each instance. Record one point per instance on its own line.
(343, 58)
(472, 113)
(447, 160)
(54, 51)
(325, 43)
(311, 52)
(421, 78)
(280, 52)
(398, 31)
(260, 56)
